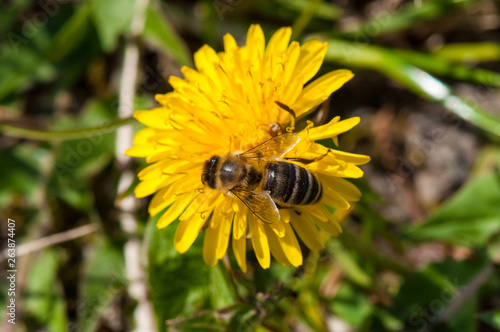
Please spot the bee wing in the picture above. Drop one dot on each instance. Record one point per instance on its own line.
(275, 147)
(260, 203)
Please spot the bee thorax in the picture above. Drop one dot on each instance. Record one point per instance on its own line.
(231, 172)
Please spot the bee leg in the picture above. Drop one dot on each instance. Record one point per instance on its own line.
(308, 161)
(291, 112)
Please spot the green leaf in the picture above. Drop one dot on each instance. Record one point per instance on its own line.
(352, 305)
(77, 161)
(245, 318)
(43, 299)
(234, 317)
(407, 17)
(422, 299)
(389, 322)
(70, 35)
(157, 31)
(11, 12)
(222, 293)
(464, 319)
(86, 156)
(179, 282)
(22, 164)
(104, 277)
(463, 52)
(492, 318)
(420, 82)
(439, 66)
(469, 218)
(349, 265)
(21, 66)
(326, 10)
(112, 18)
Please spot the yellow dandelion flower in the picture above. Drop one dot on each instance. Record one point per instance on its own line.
(229, 103)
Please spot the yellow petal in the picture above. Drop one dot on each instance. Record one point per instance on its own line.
(224, 233)
(291, 93)
(319, 90)
(143, 143)
(293, 53)
(158, 203)
(356, 159)
(240, 223)
(291, 246)
(210, 245)
(216, 218)
(193, 94)
(143, 136)
(315, 211)
(332, 226)
(186, 183)
(350, 171)
(146, 188)
(155, 118)
(163, 167)
(259, 240)
(278, 42)
(256, 42)
(285, 215)
(141, 151)
(229, 43)
(187, 232)
(332, 129)
(203, 205)
(340, 215)
(278, 227)
(342, 186)
(332, 198)
(206, 59)
(312, 53)
(240, 251)
(175, 210)
(307, 233)
(323, 166)
(275, 247)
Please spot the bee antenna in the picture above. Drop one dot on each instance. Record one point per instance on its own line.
(286, 108)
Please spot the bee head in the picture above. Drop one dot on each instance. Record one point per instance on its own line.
(209, 170)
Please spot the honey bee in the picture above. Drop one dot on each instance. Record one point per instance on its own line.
(262, 179)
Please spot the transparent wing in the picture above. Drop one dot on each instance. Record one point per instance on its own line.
(260, 203)
(273, 148)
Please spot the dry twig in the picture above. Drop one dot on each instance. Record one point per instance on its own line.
(138, 288)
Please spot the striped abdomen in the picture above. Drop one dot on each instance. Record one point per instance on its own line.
(291, 184)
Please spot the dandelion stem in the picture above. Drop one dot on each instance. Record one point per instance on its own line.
(64, 135)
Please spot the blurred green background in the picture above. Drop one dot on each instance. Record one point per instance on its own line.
(420, 251)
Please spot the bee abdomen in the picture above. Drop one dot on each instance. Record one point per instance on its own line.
(291, 184)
